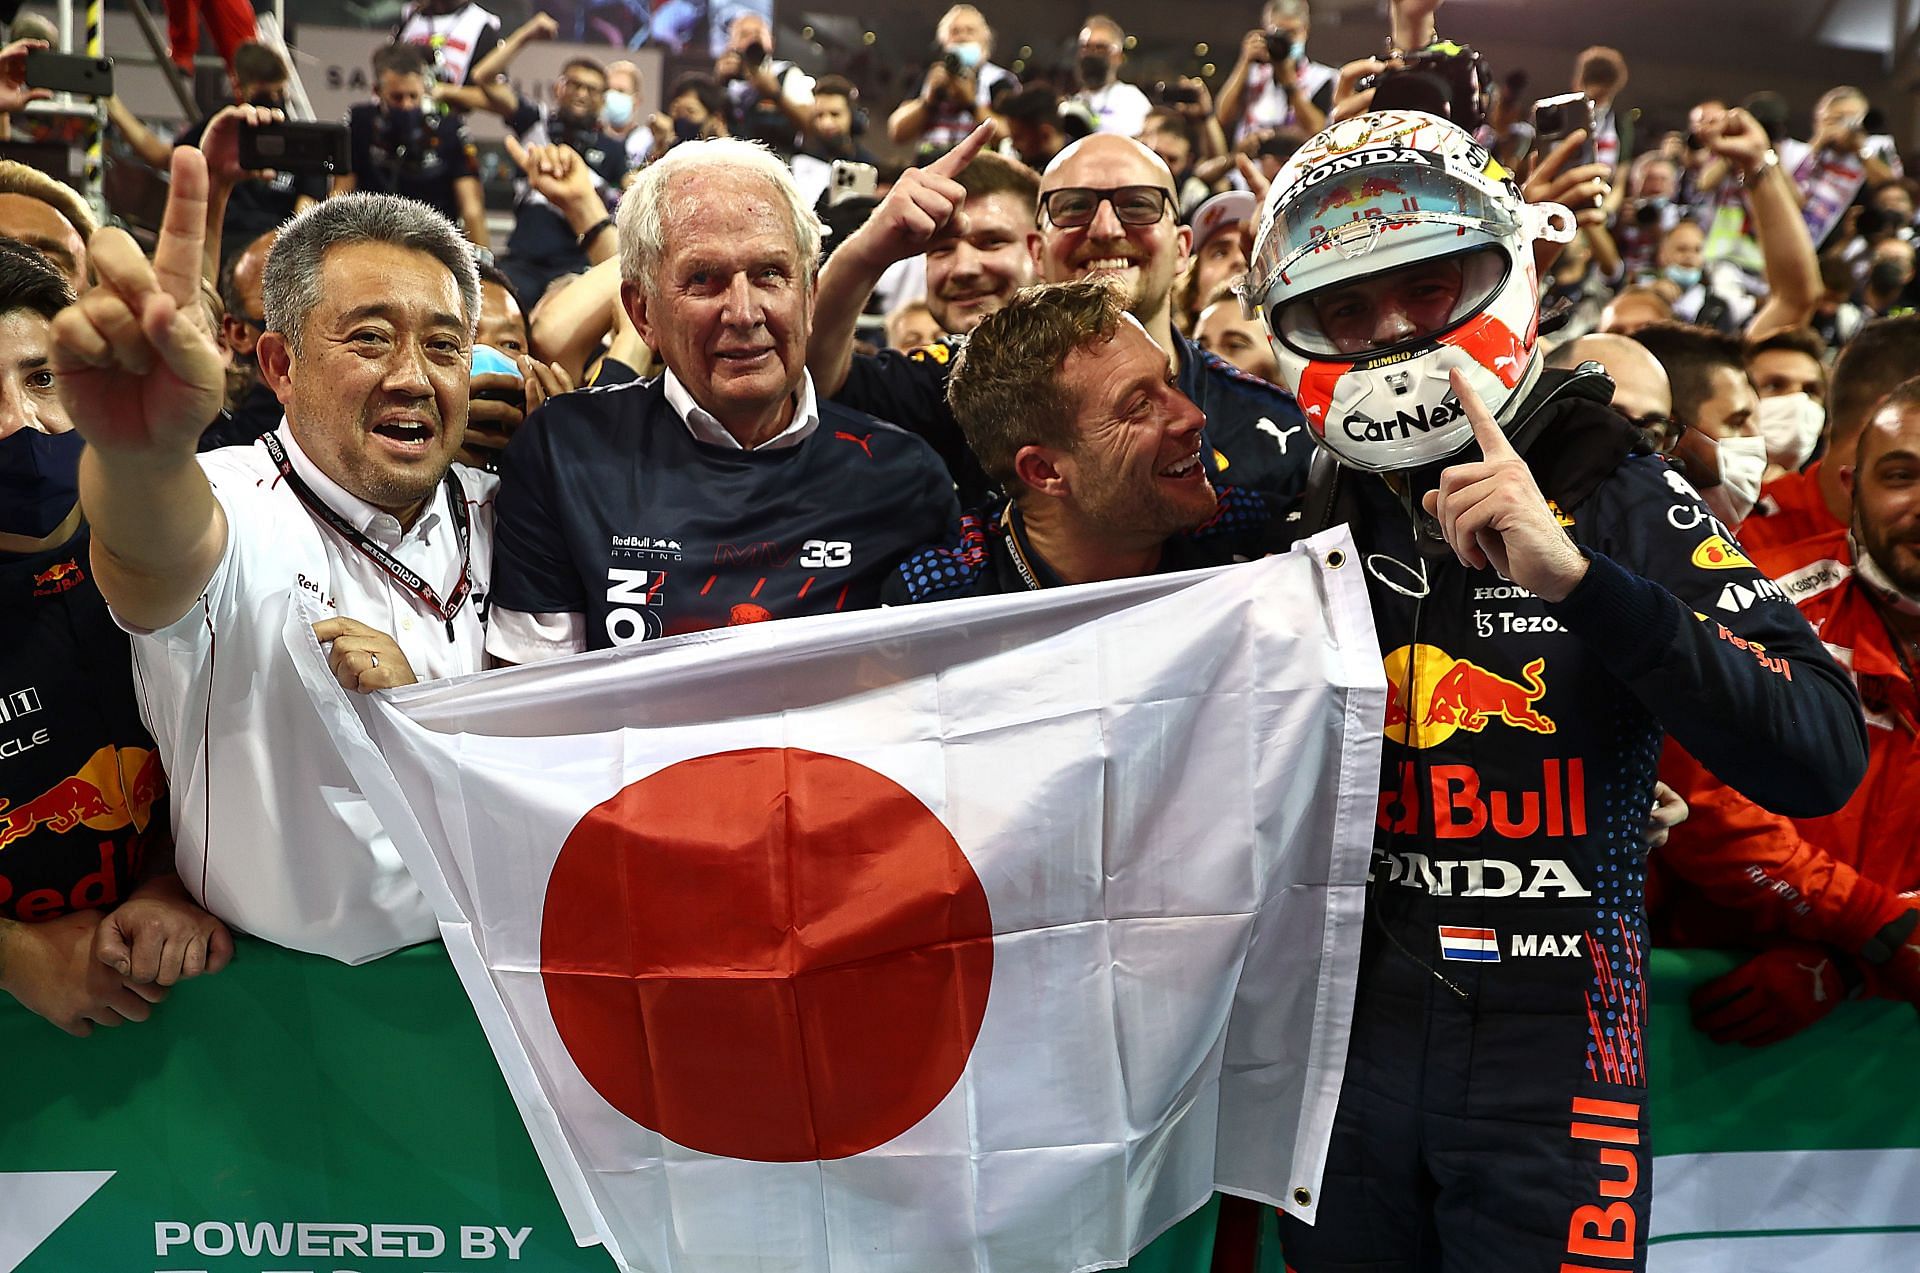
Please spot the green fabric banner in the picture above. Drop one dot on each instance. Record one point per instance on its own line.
(294, 1115)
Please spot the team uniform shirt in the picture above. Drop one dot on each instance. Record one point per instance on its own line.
(424, 169)
(257, 205)
(1267, 102)
(272, 834)
(1118, 107)
(1791, 510)
(1738, 875)
(82, 792)
(1257, 438)
(628, 513)
(1501, 973)
(989, 551)
(455, 41)
(543, 245)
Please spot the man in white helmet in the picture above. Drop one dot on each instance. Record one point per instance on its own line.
(1545, 593)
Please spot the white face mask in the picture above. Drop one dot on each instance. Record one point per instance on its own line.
(1791, 425)
(1743, 464)
(1877, 581)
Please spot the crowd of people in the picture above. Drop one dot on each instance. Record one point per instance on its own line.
(1624, 427)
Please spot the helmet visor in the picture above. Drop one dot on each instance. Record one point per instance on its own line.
(1368, 207)
(1391, 309)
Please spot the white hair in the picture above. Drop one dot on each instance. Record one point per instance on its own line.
(642, 222)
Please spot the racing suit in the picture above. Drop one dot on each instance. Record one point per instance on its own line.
(1493, 1112)
(1735, 874)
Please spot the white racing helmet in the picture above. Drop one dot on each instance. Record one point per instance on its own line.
(1391, 249)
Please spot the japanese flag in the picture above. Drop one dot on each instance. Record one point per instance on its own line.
(991, 935)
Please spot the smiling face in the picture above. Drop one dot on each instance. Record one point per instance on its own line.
(971, 277)
(377, 395)
(1133, 471)
(730, 303)
(1376, 312)
(1242, 341)
(1142, 259)
(1886, 494)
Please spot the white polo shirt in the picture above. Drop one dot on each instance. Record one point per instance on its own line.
(273, 836)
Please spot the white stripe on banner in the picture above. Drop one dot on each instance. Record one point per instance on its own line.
(1803, 1211)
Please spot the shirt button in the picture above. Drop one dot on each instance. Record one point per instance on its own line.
(406, 625)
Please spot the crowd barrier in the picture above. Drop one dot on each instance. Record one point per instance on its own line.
(294, 1115)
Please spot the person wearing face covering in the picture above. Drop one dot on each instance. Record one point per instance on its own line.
(94, 923)
(1115, 105)
(1717, 440)
(400, 145)
(1829, 906)
(1788, 373)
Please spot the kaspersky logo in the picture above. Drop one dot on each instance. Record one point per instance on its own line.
(1432, 694)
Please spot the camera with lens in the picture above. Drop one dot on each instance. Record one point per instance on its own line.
(753, 55)
(955, 67)
(1445, 79)
(1281, 46)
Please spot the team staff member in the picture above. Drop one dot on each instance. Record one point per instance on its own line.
(1106, 210)
(1829, 902)
(399, 143)
(94, 924)
(1813, 502)
(353, 506)
(1068, 403)
(725, 491)
(1512, 530)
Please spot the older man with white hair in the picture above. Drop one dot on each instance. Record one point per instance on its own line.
(724, 491)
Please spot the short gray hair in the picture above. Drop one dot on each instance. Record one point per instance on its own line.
(291, 290)
(643, 210)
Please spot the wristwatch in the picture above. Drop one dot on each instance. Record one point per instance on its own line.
(1769, 160)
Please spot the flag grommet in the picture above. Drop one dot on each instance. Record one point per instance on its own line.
(1336, 559)
(1303, 1196)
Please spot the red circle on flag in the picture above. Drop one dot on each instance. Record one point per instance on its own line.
(770, 954)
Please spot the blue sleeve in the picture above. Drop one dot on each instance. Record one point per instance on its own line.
(532, 569)
(1711, 646)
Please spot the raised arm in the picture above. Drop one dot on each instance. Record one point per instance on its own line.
(924, 205)
(140, 378)
(1786, 247)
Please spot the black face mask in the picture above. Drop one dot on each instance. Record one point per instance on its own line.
(1094, 70)
(269, 100)
(685, 130)
(39, 481)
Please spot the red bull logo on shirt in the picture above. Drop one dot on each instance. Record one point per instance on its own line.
(1431, 694)
(117, 787)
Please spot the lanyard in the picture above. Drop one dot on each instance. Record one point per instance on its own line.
(396, 570)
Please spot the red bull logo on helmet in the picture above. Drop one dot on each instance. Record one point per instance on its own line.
(1431, 694)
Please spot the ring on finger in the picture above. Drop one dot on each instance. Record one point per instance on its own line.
(375, 658)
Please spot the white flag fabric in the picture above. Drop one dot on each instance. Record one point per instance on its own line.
(989, 936)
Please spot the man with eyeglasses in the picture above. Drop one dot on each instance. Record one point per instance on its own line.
(252, 409)
(545, 242)
(1106, 211)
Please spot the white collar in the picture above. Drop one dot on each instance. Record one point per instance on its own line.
(705, 428)
(375, 523)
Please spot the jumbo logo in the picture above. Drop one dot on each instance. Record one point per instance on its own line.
(1432, 694)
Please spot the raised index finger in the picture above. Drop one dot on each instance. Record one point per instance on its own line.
(1486, 431)
(183, 231)
(950, 164)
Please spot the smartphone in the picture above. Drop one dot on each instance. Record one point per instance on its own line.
(297, 146)
(1555, 118)
(850, 180)
(70, 73)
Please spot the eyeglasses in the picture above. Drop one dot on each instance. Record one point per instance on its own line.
(1074, 206)
(572, 85)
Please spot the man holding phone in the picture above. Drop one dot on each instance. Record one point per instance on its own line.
(1841, 158)
(1274, 84)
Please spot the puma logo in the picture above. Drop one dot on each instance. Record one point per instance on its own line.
(1819, 979)
(1274, 431)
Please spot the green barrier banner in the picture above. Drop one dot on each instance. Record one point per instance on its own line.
(294, 1115)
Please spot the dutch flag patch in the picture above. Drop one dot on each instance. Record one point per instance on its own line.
(1478, 944)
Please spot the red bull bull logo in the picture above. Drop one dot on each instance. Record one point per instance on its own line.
(1379, 188)
(58, 578)
(1431, 694)
(116, 788)
(1337, 198)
